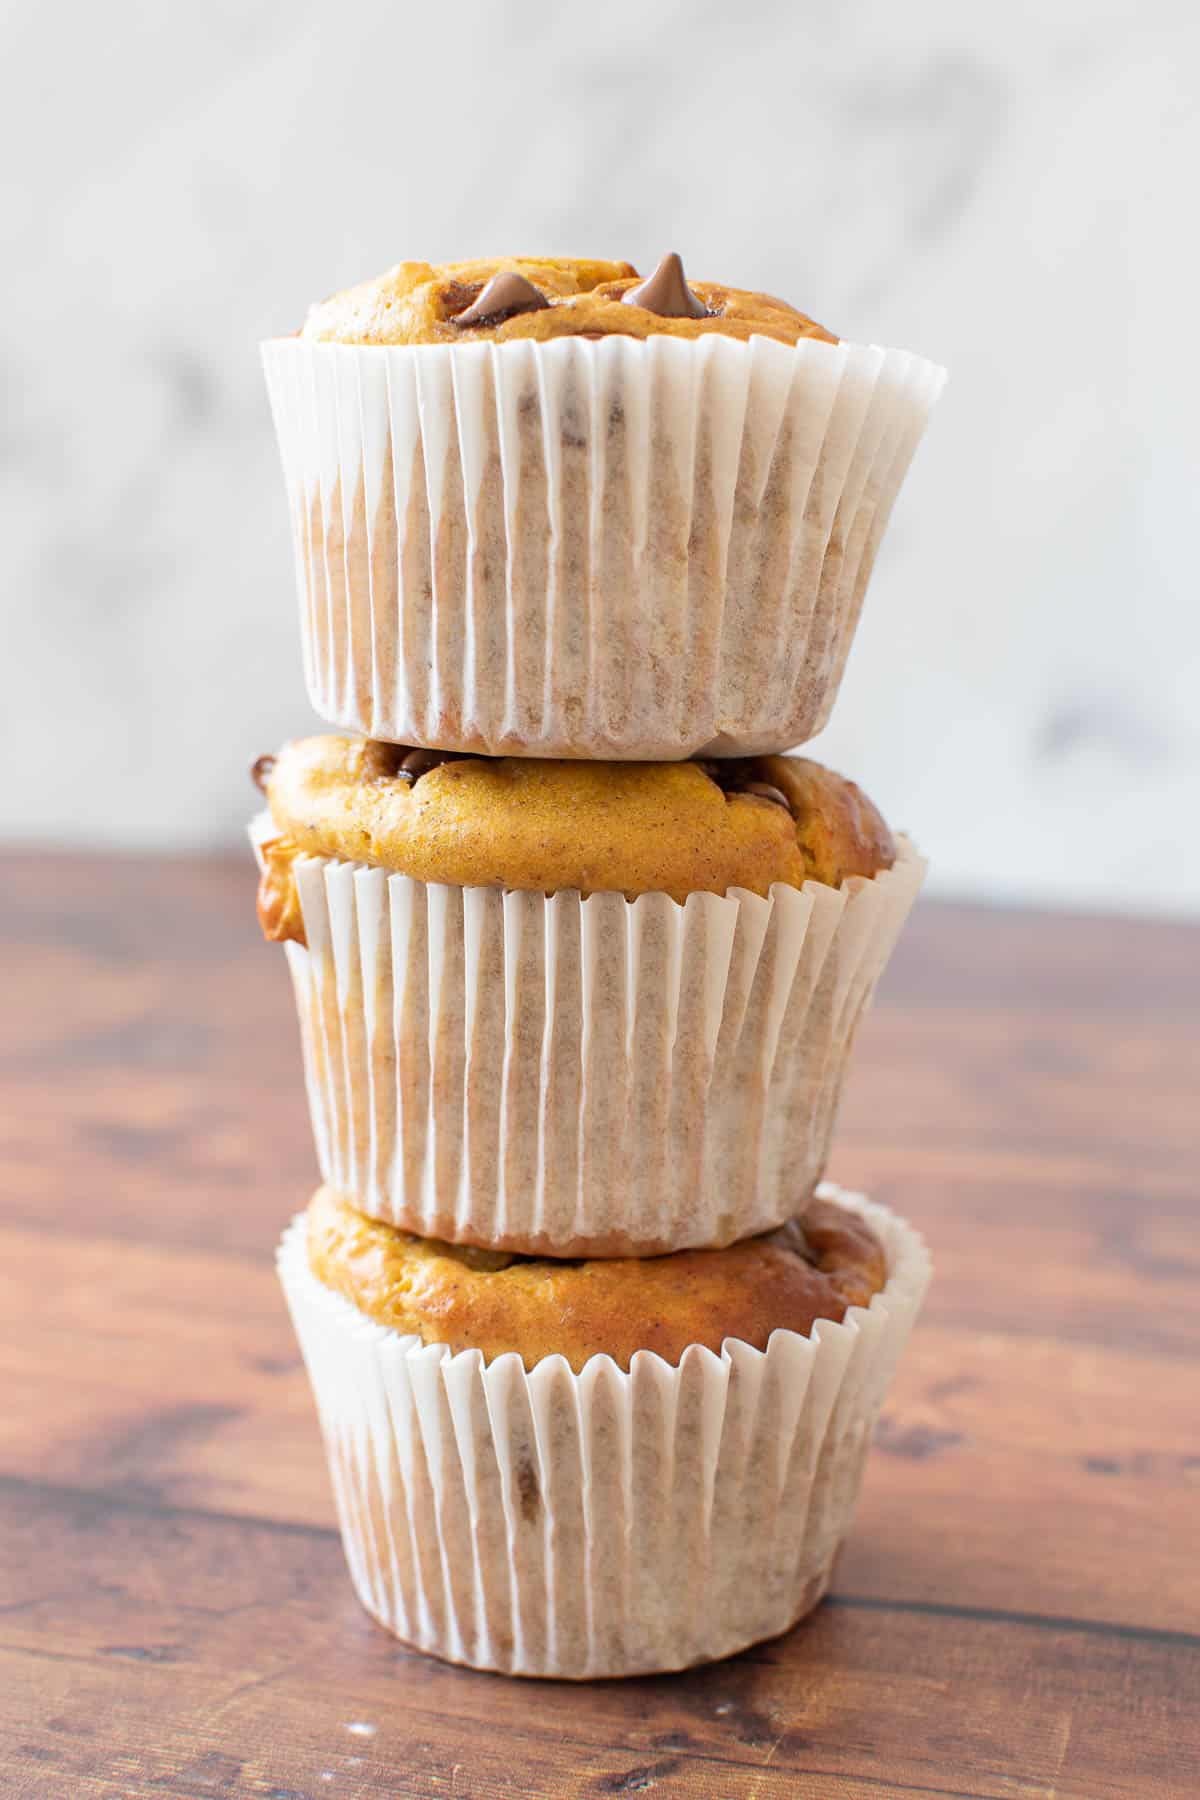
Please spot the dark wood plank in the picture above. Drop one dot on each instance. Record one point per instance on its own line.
(1017, 1612)
(197, 1655)
(975, 1444)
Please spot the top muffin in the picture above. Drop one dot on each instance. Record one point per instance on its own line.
(545, 508)
(498, 299)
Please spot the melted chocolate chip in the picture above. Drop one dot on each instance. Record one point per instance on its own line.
(762, 790)
(729, 773)
(381, 762)
(503, 297)
(456, 295)
(260, 772)
(667, 293)
(735, 775)
(420, 762)
(397, 762)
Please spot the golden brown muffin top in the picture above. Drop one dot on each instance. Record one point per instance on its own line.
(491, 1301)
(539, 825)
(501, 298)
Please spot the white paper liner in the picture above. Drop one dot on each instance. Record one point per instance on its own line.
(611, 550)
(567, 1076)
(605, 1523)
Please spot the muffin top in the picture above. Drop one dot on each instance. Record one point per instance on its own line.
(507, 297)
(494, 1302)
(540, 825)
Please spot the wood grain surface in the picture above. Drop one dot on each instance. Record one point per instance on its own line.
(1017, 1612)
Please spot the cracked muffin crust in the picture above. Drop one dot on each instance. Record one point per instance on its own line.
(538, 825)
(487, 1300)
(505, 298)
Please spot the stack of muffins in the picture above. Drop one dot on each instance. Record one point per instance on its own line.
(579, 956)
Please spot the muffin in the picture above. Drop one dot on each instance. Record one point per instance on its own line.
(544, 507)
(537, 299)
(598, 1468)
(502, 1304)
(573, 1009)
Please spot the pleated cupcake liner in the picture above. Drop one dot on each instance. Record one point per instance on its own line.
(566, 1076)
(543, 1522)
(628, 550)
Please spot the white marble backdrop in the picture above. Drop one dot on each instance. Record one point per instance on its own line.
(1011, 190)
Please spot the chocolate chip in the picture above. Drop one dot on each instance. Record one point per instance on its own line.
(735, 775)
(762, 790)
(397, 762)
(504, 296)
(381, 762)
(667, 293)
(457, 295)
(729, 773)
(260, 772)
(420, 762)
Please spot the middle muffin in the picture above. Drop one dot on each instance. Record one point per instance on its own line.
(573, 1008)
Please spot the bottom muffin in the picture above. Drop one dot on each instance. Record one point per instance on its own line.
(520, 1488)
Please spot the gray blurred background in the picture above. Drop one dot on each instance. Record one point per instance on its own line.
(1010, 190)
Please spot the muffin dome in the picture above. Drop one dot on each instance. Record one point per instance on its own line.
(503, 298)
(496, 1303)
(542, 826)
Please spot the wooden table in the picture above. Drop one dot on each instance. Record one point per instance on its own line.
(1018, 1610)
